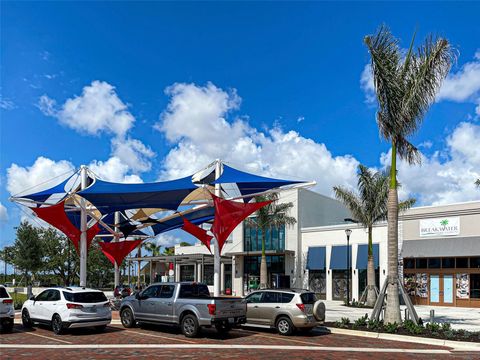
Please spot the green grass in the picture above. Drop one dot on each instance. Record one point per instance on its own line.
(18, 299)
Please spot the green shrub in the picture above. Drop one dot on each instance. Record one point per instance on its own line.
(449, 334)
(413, 328)
(433, 327)
(344, 322)
(446, 327)
(391, 328)
(374, 325)
(360, 322)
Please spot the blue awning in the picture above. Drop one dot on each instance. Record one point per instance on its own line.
(250, 183)
(196, 217)
(109, 197)
(316, 258)
(362, 256)
(338, 258)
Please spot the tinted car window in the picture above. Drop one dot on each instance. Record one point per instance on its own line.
(308, 298)
(85, 297)
(287, 297)
(167, 291)
(255, 297)
(151, 291)
(194, 291)
(53, 295)
(271, 297)
(3, 293)
(42, 296)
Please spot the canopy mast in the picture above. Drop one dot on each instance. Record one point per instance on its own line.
(216, 254)
(115, 239)
(83, 229)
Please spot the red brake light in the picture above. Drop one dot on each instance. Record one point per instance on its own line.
(7, 301)
(301, 307)
(212, 308)
(74, 306)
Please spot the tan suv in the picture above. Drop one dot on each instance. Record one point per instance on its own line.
(285, 310)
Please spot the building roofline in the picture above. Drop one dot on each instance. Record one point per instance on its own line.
(438, 205)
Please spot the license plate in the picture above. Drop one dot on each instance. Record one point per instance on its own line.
(92, 309)
(231, 320)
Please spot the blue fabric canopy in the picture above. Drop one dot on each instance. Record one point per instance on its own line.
(362, 256)
(316, 258)
(250, 183)
(338, 258)
(196, 217)
(43, 195)
(109, 197)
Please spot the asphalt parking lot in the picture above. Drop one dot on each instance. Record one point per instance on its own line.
(167, 342)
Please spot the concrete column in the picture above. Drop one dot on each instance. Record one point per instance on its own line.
(199, 272)
(329, 277)
(216, 253)
(222, 278)
(354, 284)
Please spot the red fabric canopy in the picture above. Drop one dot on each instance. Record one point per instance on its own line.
(116, 251)
(228, 214)
(55, 215)
(198, 232)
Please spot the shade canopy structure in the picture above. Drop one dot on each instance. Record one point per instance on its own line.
(117, 251)
(109, 197)
(196, 216)
(198, 232)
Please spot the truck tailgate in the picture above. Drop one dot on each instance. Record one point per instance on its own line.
(230, 307)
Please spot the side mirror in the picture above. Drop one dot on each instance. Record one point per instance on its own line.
(32, 298)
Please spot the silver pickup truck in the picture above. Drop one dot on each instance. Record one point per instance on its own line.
(186, 304)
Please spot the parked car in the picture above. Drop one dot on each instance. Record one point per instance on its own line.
(67, 308)
(122, 291)
(285, 310)
(186, 304)
(7, 313)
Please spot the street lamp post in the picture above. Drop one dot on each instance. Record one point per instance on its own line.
(348, 232)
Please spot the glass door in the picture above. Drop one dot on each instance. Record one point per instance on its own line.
(448, 289)
(434, 289)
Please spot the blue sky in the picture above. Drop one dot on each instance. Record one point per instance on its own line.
(274, 88)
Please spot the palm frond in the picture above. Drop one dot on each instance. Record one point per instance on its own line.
(407, 151)
(352, 202)
(406, 204)
(477, 182)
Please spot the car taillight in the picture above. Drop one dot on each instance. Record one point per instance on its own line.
(74, 306)
(212, 308)
(7, 301)
(301, 307)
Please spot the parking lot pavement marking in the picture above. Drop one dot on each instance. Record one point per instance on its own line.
(42, 336)
(229, 347)
(160, 336)
(277, 337)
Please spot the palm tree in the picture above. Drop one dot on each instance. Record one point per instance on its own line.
(477, 182)
(368, 208)
(405, 88)
(153, 248)
(272, 215)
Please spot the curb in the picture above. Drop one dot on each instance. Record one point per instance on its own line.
(456, 345)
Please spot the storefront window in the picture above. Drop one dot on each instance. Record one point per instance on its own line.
(187, 273)
(461, 263)
(475, 262)
(409, 263)
(317, 281)
(434, 263)
(421, 263)
(475, 286)
(275, 265)
(422, 285)
(208, 274)
(339, 278)
(274, 238)
(463, 286)
(448, 263)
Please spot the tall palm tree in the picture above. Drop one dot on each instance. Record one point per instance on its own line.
(272, 215)
(152, 247)
(368, 207)
(405, 87)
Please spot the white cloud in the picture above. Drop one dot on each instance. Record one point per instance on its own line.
(196, 118)
(367, 84)
(44, 173)
(133, 153)
(113, 170)
(447, 176)
(6, 104)
(98, 109)
(3, 213)
(167, 240)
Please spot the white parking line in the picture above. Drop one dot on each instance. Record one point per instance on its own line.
(42, 336)
(227, 347)
(160, 336)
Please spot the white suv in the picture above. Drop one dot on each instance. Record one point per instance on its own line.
(68, 308)
(7, 313)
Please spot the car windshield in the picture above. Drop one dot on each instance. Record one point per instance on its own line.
(308, 298)
(85, 297)
(3, 293)
(194, 291)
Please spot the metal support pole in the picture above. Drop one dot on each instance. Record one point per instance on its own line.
(216, 254)
(83, 229)
(349, 270)
(116, 239)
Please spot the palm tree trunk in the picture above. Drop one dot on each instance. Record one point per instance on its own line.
(392, 311)
(371, 294)
(263, 265)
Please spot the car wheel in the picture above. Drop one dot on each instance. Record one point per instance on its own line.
(7, 325)
(100, 328)
(285, 326)
(26, 321)
(189, 325)
(126, 316)
(57, 325)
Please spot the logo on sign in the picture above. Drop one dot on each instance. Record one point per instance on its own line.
(440, 227)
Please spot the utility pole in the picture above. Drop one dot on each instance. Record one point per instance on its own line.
(216, 254)
(83, 229)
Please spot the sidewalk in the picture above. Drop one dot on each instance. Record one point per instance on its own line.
(460, 318)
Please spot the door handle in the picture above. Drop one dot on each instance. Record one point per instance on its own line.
(277, 307)
(255, 307)
(169, 304)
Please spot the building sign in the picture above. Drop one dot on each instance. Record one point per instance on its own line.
(440, 227)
